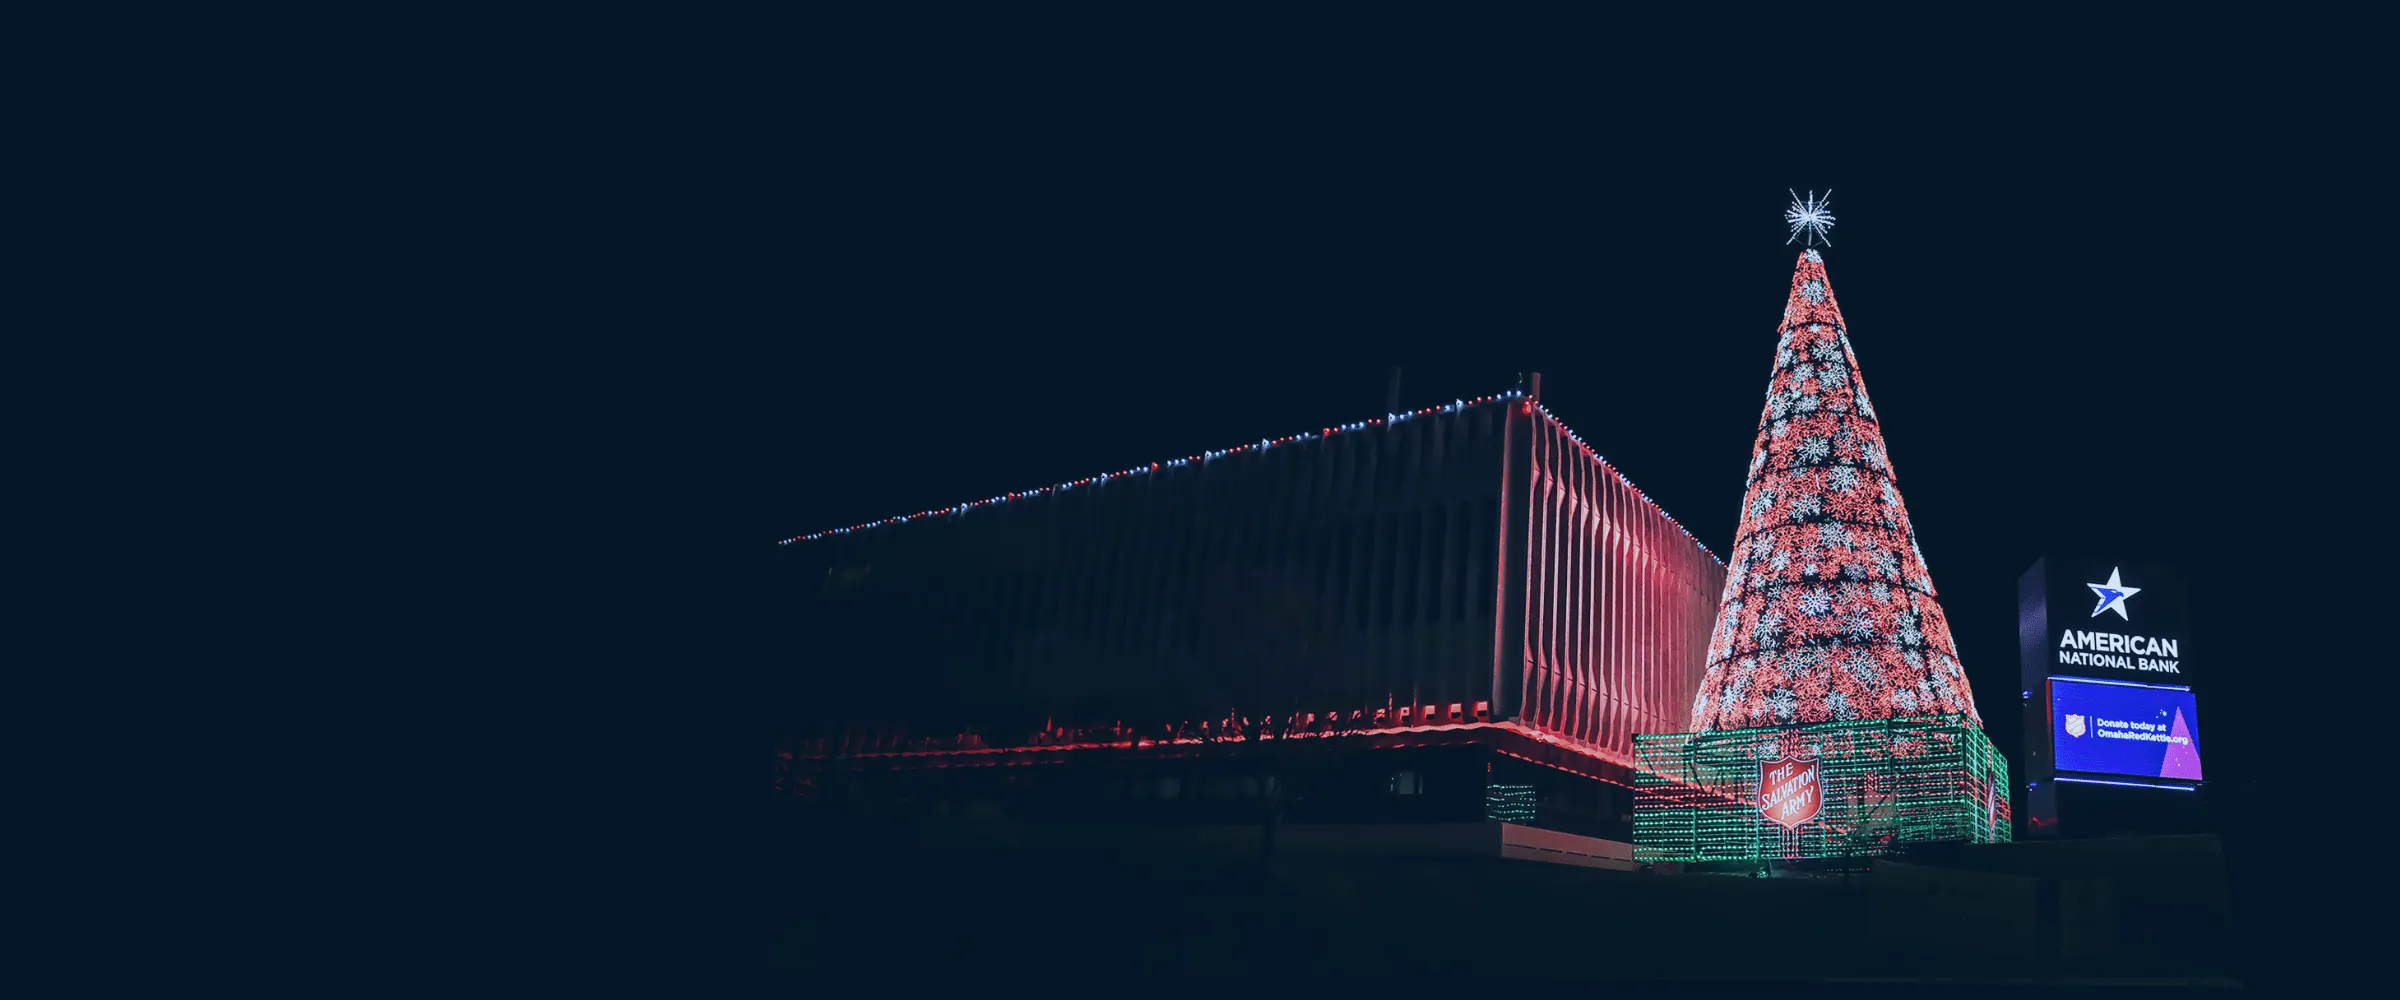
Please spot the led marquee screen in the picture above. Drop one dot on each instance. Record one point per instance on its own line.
(2133, 730)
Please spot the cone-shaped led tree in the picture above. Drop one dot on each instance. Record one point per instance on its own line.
(1828, 612)
(1834, 718)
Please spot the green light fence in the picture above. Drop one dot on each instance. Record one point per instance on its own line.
(1933, 778)
(1514, 803)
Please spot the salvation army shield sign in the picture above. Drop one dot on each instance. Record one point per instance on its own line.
(2074, 725)
(1787, 791)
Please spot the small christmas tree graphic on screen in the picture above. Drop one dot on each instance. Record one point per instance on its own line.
(1828, 613)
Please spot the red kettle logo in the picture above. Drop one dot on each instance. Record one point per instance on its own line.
(1787, 791)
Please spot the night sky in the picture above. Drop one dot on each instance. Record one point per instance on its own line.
(1002, 286)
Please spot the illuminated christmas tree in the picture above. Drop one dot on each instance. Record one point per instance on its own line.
(1828, 613)
(1834, 719)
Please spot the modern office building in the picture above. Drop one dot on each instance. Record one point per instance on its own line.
(1453, 619)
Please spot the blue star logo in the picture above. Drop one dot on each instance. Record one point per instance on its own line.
(2112, 595)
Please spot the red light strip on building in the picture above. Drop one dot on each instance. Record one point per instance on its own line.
(967, 758)
(1571, 745)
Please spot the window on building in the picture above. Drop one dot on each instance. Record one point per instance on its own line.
(1337, 562)
(1404, 783)
(1390, 557)
(1509, 802)
(1438, 561)
(1470, 563)
(1362, 559)
(1488, 592)
(840, 578)
(1233, 786)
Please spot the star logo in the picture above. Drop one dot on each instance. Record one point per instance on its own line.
(2112, 595)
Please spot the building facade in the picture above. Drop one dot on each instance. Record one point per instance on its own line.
(1455, 614)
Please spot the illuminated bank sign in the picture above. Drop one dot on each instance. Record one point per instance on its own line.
(2106, 653)
(2115, 650)
(2112, 619)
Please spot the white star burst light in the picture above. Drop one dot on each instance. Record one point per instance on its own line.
(1809, 214)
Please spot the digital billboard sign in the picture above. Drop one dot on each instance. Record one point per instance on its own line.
(2098, 727)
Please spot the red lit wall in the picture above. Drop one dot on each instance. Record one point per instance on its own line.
(1619, 601)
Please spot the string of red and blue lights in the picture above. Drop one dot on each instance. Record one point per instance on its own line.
(1454, 406)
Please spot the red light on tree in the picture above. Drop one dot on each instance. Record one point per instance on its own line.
(1828, 612)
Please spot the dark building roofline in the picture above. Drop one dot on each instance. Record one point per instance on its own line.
(1261, 445)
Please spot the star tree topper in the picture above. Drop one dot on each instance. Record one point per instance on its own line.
(1809, 215)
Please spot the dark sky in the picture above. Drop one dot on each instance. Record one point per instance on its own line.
(993, 282)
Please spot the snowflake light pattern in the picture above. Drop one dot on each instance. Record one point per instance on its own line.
(1808, 215)
(1827, 594)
